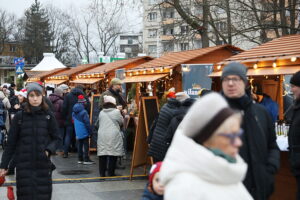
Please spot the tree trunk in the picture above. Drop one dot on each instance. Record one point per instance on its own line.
(228, 22)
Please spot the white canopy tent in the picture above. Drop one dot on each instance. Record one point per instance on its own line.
(48, 63)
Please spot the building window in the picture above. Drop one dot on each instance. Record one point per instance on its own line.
(184, 29)
(184, 46)
(152, 16)
(168, 13)
(151, 2)
(130, 41)
(12, 48)
(168, 30)
(168, 46)
(152, 33)
(152, 48)
(221, 26)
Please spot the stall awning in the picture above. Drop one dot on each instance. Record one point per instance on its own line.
(143, 78)
(87, 81)
(55, 82)
(265, 71)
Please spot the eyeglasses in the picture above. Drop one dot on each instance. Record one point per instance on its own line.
(232, 136)
(234, 80)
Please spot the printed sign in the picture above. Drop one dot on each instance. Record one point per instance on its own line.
(195, 77)
(19, 62)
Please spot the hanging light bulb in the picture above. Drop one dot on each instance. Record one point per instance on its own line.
(255, 66)
(293, 59)
(161, 69)
(130, 74)
(144, 72)
(219, 67)
(152, 70)
(274, 64)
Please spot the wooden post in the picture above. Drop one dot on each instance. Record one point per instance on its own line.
(280, 96)
(154, 88)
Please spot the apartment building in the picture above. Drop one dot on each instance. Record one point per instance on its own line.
(164, 31)
(131, 44)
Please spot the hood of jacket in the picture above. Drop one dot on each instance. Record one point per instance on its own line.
(2, 95)
(173, 103)
(78, 107)
(188, 102)
(185, 155)
(76, 92)
(54, 97)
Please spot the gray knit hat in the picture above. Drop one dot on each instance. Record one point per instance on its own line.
(235, 68)
(34, 87)
(58, 91)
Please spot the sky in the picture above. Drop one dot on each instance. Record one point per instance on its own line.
(18, 7)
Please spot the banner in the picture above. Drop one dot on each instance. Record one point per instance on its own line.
(195, 77)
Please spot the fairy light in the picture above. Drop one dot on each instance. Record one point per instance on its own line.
(274, 64)
(219, 67)
(255, 66)
(293, 59)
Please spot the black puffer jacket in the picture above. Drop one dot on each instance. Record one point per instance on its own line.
(259, 149)
(294, 139)
(30, 135)
(179, 115)
(69, 101)
(158, 146)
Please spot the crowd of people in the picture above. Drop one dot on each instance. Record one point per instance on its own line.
(222, 145)
(219, 146)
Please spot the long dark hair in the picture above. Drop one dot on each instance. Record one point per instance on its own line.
(44, 105)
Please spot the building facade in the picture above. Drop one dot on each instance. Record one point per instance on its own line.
(131, 44)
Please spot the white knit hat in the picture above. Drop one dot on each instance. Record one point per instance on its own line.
(205, 116)
(181, 96)
(109, 99)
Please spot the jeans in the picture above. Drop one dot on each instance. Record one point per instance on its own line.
(60, 145)
(112, 162)
(68, 138)
(83, 149)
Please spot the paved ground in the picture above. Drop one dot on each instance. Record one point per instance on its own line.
(76, 181)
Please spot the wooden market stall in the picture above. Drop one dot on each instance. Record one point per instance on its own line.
(106, 72)
(166, 72)
(68, 75)
(42, 76)
(271, 65)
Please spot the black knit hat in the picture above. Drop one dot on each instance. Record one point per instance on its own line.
(235, 68)
(295, 80)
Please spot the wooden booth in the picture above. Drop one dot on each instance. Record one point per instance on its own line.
(157, 76)
(270, 66)
(42, 76)
(98, 78)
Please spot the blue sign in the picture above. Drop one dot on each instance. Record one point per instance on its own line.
(195, 77)
(19, 62)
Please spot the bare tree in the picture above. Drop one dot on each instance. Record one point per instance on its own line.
(7, 26)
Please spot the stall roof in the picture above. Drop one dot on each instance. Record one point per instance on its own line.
(32, 74)
(48, 63)
(143, 78)
(55, 82)
(87, 81)
(50, 73)
(78, 69)
(175, 58)
(265, 71)
(279, 48)
(115, 65)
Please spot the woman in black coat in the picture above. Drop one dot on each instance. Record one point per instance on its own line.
(33, 137)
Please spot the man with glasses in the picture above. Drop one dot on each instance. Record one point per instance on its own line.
(259, 149)
(294, 131)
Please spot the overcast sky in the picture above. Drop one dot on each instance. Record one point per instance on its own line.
(18, 7)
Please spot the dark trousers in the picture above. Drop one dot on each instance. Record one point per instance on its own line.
(298, 188)
(68, 138)
(83, 149)
(112, 161)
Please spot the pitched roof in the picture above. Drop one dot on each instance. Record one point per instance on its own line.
(78, 69)
(283, 47)
(115, 65)
(32, 74)
(175, 58)
(50, 73)
(48, 63)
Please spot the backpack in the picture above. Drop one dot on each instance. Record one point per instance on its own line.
(2, 115)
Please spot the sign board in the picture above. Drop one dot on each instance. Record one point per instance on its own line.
(95, 110)
(108, 59)
(19, 63)
(195, 77)
(148, 111)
